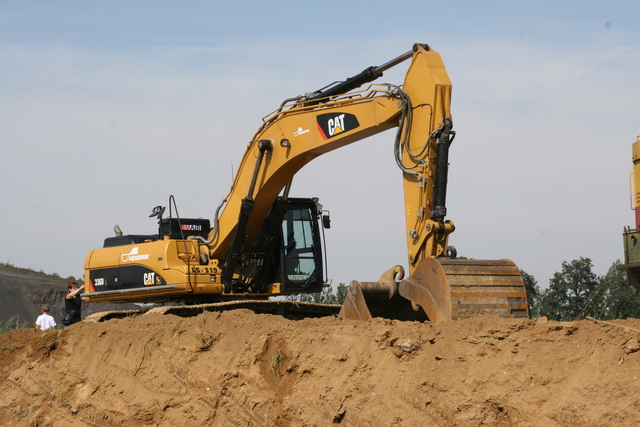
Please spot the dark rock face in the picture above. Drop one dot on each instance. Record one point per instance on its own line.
(23, 292)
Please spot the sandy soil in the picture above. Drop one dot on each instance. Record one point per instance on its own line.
(243, 369)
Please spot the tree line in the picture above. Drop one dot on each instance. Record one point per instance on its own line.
(327, 296)
(574, 293)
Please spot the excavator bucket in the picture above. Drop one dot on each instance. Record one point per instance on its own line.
(440, 289)
(366, 300)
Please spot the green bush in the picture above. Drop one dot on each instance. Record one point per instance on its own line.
(11, 324)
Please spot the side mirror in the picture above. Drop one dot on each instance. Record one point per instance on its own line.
(326, 220)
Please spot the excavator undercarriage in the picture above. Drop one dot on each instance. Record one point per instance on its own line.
(293, 310)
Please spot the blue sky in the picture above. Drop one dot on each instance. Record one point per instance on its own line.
(107, 108)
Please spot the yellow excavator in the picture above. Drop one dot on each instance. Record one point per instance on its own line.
(263, 243)
(632, 236)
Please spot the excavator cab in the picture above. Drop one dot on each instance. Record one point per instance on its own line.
(287, 252)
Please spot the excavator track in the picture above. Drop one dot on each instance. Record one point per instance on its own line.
(290, 309)
(441, 289)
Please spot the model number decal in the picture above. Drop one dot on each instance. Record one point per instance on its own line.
(99, 281)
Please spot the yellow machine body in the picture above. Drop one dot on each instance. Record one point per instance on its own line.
(250, 250)
(631, 236)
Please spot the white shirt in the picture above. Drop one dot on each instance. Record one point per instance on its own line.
(46, 322)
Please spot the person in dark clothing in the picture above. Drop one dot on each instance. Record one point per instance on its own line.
(73, 302)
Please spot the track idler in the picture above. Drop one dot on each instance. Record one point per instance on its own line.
(440, 289)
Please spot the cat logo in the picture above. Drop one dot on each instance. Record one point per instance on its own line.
(149, 278)
(332, 124)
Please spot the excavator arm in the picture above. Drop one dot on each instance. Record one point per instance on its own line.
(305, 128)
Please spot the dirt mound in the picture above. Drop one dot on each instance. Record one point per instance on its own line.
(238, 368)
